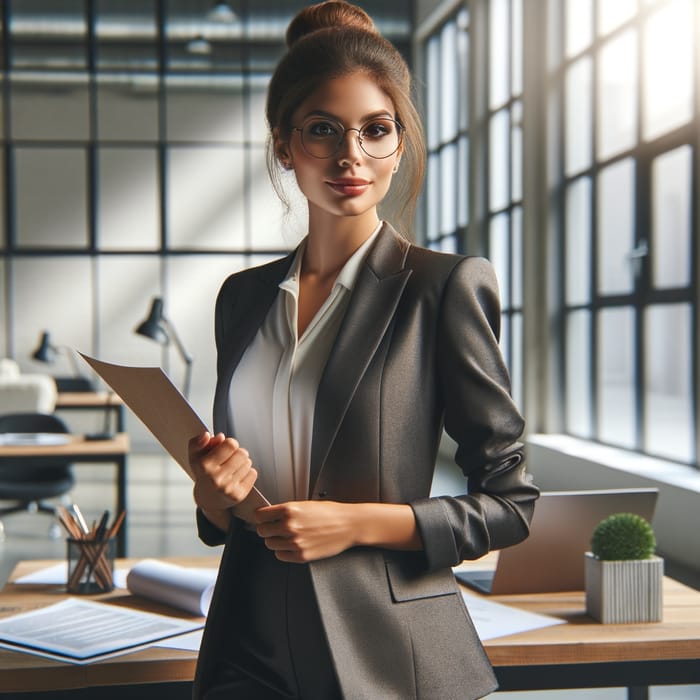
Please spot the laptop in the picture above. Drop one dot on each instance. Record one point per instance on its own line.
(552, 557)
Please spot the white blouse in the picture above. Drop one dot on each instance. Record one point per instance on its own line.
(273, 390)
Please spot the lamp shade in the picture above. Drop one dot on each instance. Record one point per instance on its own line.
(45, 352)
(152, 327)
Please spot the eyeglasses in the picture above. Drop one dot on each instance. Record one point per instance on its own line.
(378, 138)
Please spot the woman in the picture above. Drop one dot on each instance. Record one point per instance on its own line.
(338, 367)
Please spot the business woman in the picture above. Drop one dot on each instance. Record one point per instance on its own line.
(338, 367)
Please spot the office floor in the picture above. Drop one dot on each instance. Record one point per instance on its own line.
(161, 523)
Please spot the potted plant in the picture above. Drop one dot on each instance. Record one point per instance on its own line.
(623, 575)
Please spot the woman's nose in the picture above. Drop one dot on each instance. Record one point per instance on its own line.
(350, 146)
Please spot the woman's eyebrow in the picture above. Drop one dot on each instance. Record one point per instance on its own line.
(374, 115)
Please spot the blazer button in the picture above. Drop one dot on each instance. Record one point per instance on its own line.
(322, 494)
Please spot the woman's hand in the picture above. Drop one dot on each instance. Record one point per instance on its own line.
(303, 531)
(223, 475)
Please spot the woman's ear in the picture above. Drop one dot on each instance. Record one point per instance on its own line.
(281, 149)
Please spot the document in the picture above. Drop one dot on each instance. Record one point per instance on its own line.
(186, 588)
(493, 620)
(33, 439)
(83, 631)
(160, 406)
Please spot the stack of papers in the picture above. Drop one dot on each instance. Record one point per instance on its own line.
(34, 439)
(84, 631)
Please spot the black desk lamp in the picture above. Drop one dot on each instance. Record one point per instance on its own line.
(47, 352)
(158, 328)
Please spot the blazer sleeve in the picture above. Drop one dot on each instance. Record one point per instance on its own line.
(484, 422)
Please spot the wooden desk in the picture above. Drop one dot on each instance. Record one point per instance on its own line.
(93, 401)
(78, 450)
(579, 654)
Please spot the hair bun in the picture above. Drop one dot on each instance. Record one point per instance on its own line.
(332, 14)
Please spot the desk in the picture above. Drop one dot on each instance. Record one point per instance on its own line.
(78, 450)
(579, 654)
(93, 401)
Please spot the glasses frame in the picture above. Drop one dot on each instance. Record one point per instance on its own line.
(399, 128)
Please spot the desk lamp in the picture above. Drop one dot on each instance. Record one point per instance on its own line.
(157, 327)
(47, 352)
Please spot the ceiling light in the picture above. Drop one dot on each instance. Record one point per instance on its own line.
(222, 12)
(198, 46)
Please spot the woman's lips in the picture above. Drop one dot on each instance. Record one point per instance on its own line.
(349, 186)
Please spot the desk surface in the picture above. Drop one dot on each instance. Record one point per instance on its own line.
(581, 641)
(85, 399)
(77, 446)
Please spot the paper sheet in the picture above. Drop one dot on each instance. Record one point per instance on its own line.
(82, 631)
(496, 620)
(160, 406)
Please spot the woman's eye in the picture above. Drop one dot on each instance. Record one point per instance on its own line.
(321, 129)
(376, 130)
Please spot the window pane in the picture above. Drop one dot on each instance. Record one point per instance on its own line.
(448, 189)
(128, 199)
(499, 88)
(516, 152)
(668, 68)
(517, 256)
(201, 109)
(671, 218)
(449, 87)
(516, 66)
(463, 68)
(498, 160)
(127, 107)
(256, 109)
(579, 115)
(205, 199)
(463, 181)
(499, 255)
(616, 369)
(669, 381)
(50, 106)
(578, 373)
(617, 95)
(616, 228)
(611, 14)
(127, 38)
(433, 91)
(578, 242)
(51, 197)
(268, 228)
(579, 25)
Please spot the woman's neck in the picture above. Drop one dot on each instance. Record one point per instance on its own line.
(333, 240)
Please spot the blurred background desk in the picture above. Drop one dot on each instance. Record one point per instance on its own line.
(105, 401)
(114, 450)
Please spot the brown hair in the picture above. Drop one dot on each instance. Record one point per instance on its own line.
(329, 40)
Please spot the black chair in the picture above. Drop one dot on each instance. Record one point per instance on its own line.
(29, 482)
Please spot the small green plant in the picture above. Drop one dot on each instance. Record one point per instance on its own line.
(623, 536)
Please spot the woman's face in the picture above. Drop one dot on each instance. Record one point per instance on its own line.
(350, 182)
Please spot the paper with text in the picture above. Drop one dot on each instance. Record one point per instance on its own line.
(160, 406)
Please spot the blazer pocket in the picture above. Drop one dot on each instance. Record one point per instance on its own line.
(408, 580)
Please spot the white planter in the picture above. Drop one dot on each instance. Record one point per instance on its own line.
(624, 591)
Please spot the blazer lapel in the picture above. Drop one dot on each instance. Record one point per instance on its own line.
(374, 299)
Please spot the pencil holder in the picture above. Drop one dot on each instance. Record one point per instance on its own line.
(91, 565)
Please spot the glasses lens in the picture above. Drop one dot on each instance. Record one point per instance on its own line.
(321, 138)
(378, 138)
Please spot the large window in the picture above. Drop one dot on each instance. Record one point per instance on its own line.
(132, 165)
(473, 199)
(625, 76)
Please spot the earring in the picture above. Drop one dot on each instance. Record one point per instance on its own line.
(396, 167)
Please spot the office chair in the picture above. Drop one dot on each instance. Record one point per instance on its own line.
(31, 480)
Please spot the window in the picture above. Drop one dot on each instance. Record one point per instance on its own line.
(625, 76)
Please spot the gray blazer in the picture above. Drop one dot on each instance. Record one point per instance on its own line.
(417, 351)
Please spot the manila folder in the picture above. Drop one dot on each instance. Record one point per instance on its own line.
(160, 406)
